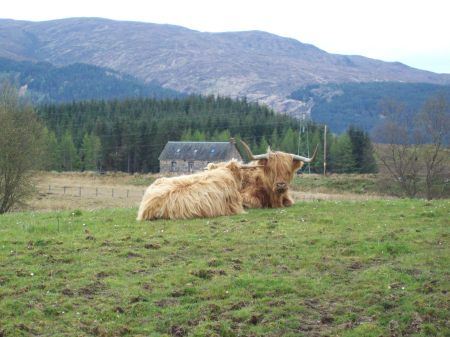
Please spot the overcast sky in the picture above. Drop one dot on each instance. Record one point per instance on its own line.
(413, 32)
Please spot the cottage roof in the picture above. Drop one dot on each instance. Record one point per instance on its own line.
(205, 151)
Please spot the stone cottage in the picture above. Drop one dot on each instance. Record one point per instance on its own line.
(188, 157)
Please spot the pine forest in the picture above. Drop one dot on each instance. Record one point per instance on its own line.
(128, 135)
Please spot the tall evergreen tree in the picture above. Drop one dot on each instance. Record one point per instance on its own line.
(317, 138)
(263, 145)
(341, 155)
(53, 153)
(69, 156)
(90, 152)
(186, 135)
(274, 140)
(289, 141)
(362, 150)
(198, 136)
(222, 136)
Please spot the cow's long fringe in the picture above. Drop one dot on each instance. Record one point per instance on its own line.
(201, 195)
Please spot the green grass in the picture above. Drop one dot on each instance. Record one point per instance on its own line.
(142, 180)
(374, 268)
(375, 184)
(339, 183)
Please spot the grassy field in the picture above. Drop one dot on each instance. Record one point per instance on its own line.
(89, 190)
(321, 268)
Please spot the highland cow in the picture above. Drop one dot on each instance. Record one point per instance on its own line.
(267, 185)
(265, 181)
(210, 193)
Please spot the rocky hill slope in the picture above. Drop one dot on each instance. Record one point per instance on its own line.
(255, 64)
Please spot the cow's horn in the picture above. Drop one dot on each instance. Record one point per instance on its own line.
(306, 159)
(250, 154)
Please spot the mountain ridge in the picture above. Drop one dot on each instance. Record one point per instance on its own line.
(258, 65)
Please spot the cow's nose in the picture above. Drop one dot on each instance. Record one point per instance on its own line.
(281, 187)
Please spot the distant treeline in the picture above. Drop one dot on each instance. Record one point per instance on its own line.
(128, 135)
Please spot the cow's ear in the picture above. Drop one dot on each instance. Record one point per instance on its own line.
(262, 162)
(297, 164)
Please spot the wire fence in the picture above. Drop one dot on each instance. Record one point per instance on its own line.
(86, 191)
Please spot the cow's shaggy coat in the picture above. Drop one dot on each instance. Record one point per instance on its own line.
(206, 194)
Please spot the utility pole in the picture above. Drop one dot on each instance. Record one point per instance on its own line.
(300, 131)
(307, 146)
(325, 150)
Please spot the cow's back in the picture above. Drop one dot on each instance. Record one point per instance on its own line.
(206, 194)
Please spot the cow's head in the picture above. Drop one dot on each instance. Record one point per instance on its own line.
(278, 167)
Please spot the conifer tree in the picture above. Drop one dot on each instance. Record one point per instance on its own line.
(222, 136)
(69, 156)
(362, 150)
(289, 141)
(186, 135)
(90, 152)
(341, 155)
(316, 138)
(198, 136)
(274, 141)
(263, 145)
(53, 153)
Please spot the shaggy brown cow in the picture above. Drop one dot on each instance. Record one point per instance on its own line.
(266, 186)
(205, 194)
(265, 181)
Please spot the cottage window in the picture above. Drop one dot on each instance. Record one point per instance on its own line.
(173, 166)
(190, 166)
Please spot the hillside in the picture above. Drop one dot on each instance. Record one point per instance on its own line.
(43, 82)
(360, 104)
(262, 66)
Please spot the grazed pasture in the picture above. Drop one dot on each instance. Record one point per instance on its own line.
(321, 268)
